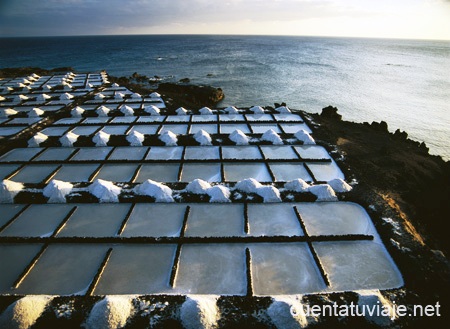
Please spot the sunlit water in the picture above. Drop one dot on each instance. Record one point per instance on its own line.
(405, 83)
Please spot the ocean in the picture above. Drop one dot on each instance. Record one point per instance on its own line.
(403, 82)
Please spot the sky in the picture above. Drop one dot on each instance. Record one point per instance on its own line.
(407, 19)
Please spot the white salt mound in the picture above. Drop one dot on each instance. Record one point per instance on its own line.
(115, 85)
(304, 137)
(2, 98)
(248, 185)
(23, 97)
(101, 138)
(198, 186)
(37, 139)
(257, 109)
(102, 111)
(324, 192)
(99, 96)
(152, 110)
(105, 191)
(168, 138)
(112, 312)
(287, 313)
(200, 311)
(77, 112)
(370, 299)
(219, 193)
(205, 111)
(269, 193)
(231, 110)
(283, 109)
(23, 313)
(35, 112)
(181, 111)
(136, 95)
(155, 95)
(68, 139)
(339, 185)
(119, 96)
(135, 138)
(66, 96)
(57, 190)
(296, 185)
(202, 137)
(127, 110)
(271, 136)
(239, 137)
(4, 113)
(43, 97)
(8, 190)
(160, 192)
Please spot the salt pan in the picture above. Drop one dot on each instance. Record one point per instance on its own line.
(105, 191)
(57, 190)
(8, 190)
(159, 191)
(271, 136)
(135, 138)
(239, 137)
(202, 137)
(169, 138)
(304, 137)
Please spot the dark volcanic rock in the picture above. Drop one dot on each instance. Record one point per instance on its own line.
(331, 113)
(201, 95)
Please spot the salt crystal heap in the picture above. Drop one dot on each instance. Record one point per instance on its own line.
(101, 138)
(159, 191)
(66, 96)
(271, 136)
(324, 192)
(257, 109)
(135, 138)
(43, 97)
(155, 95)
(5, 113)
(24, 312)
(99, 96)
(297, 185)
(181, 111)
(37, 139)
(202, 137)
(68, 139)
(57, 190)
(251, 185)
(35, 112)
(287, 312)
(105, 191)
(168, 138)
(205, 111)
(77, 112)
(283, 109)
(231, 110)
(136, 95)
(127, 110)
(152, 110)
(8, 190)
(217, 193)
(239, 137)
(305, 137)
(102, 111)
(110, 313)
(200, 311)
(198, 186)
(339, 185)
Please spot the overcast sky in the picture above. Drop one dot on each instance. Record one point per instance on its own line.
(418, 19)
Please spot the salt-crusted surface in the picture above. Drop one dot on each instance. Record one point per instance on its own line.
(169, 138)
(159, 191)
(239, 137)
(202, 137)
(57, 190)
(68, 139)
(370, 299)
(200, 311)
(8, 190)
(105, 191)
(304, 137)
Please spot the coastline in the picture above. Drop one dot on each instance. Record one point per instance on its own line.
(397, 180)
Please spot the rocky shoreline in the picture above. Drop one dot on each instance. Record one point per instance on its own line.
(404, 189)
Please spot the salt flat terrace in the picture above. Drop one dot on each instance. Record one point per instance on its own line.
(123, 196)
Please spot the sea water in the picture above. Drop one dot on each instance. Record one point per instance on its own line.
(403, 82)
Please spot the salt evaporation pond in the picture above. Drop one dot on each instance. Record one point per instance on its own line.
(117, 172)
(325, 172)
(278, 152)
(290, 128)
(209, 172)
(231, 117)
(158, 172)
(229, 128)
(209, 128)
(312, 152)
(85, 130)
(34, 173)
(75, 172)
(165, 153)
(20, 154)
(176, 129)
(241, 152)
(288, 171)
(128, 153)
(259, 117)
(202, 153)
(55, 154)
(115, 130)
(6, 170)
(262, 128)
(54, 131)
(235, 172)
(91, 153)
